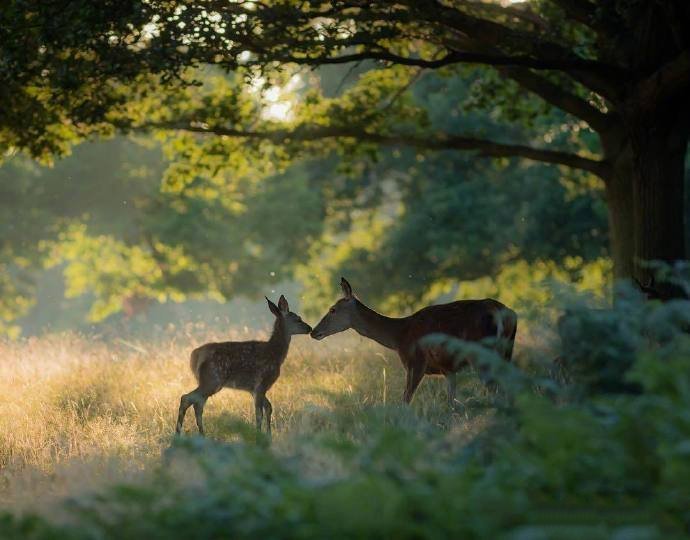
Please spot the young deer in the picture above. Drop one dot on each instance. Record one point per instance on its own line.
(252, 366)
(470, 320)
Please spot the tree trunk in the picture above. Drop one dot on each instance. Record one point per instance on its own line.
(621, 209)
(658, 190)
(646, 198)
(645, 189)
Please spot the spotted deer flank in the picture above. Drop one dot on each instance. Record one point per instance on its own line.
(252, 366)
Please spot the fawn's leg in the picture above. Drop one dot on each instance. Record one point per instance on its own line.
(197, 398)
(185, 402)
(199, 412)
(268, 410)
(259, 409)
(209, 383)
(451, 380)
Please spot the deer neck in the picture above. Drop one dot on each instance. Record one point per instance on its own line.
(279, 342)
(386, 331)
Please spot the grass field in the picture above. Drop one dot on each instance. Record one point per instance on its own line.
(87, 448)
(77, 413)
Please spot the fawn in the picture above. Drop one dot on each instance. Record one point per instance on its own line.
(252, 366)
(469, 320)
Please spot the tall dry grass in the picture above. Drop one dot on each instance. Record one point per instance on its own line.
(77, 412)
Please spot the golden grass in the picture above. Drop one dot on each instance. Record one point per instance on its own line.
(77, 412)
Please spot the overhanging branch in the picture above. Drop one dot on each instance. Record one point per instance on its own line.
(451, 57)
(484, 147)
(434, 21)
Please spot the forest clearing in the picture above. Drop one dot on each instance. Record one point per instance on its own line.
(479, 211)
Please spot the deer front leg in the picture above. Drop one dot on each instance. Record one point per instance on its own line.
(268, 410)
(259, 409)
(414, 377)
(415, 373)
(416, 366)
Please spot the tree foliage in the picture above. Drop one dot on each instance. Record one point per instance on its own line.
(188, 216)
(620, 69)
(120, 235)
(202, 78)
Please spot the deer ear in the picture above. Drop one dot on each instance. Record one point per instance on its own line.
(345, 286)
(274, 309)
(283, 305)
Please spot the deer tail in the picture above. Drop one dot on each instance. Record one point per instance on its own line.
(506, 328)
(195, 361)
(499, 327)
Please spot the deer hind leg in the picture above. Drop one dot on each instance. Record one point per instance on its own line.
(199, 413)
(488, 379)
(210, 383)
(184, 405)
(187, 401)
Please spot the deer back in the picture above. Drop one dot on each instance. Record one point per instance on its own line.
(470, 320)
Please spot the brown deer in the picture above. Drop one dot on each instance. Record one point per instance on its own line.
(252, 366)
(470, 320)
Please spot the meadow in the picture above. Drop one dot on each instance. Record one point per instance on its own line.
(78, 412)
(87, 447)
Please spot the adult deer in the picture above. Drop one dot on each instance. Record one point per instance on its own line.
(252, 366)
(469, 320)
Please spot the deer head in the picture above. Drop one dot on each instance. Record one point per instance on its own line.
(293, 322)
(339, 316)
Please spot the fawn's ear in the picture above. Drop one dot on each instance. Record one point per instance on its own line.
(274, 309)
(283, 305)
(345, 286)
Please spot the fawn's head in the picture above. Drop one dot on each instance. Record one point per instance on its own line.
(339, 316)
(293, 322)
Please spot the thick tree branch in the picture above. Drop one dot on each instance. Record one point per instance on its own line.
(453, 57)
(596, 75)
(436, 142)
(520, 12)
(558, 97)
(494, 43)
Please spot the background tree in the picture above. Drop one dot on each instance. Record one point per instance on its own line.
(561, 78)
(620, 68)
(122, 238)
